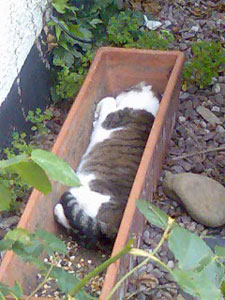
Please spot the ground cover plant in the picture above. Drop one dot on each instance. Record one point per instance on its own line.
(208, 62)
(80, 30)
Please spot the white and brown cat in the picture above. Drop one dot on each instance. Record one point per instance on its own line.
(107, 170)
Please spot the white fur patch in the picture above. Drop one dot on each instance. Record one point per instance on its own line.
(144, 99)
(88, 200)
(59, 213)
(99, 134)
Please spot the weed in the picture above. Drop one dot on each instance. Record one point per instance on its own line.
(208, 60)
(38, 119)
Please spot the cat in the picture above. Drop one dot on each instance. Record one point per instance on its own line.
(107, 169)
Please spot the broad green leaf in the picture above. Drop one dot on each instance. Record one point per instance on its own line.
(197, 284)
(18, 234)
(5, 198)
(189, 249)
(220, 251)
(56, 168)
(95, 22)
(32, 257)
(153, 214)
(13, 161)
(4, 289)
(33, 175)
(60, 5)
(214, 272)
(6, 244)
(52, 243)
(58, 31)
(17, 290)
(66, 283)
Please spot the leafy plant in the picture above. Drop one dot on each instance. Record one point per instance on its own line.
(29, 246)
(35, 169)
(38, 119)
(208, 60)
(79, 32)
(126, 30)
(199, 271)
(19, 188)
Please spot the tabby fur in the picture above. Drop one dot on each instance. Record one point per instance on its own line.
(109, 165)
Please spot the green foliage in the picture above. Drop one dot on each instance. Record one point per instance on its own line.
(199, 271)
(34, 170)
(15, 186)
(98, 23)
(29, 246)
(208, 60)
(153, 214)
(124, 31)
(38, 119)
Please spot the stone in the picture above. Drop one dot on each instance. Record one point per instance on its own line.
(216, 88)
(220, 129)
(203, 197)
(222, 88)
(216, 108)
(207, 115)
(182, 119)
(219, 99)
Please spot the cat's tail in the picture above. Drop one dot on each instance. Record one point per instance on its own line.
(87, 230)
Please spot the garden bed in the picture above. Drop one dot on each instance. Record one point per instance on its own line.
(112, 71)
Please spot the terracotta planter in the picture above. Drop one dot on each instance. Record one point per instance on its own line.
(112, 71)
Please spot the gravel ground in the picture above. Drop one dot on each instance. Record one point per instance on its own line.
(197, 144)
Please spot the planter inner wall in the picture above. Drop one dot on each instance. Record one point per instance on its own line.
(112, 71)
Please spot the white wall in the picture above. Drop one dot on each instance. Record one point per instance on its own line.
(20, 24)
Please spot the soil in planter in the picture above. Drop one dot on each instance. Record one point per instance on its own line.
(78, 261)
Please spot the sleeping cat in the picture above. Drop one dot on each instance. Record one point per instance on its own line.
(107, 170)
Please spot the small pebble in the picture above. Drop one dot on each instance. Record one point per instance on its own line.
(182, 119)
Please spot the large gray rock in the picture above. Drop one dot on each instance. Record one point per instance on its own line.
(203, 197)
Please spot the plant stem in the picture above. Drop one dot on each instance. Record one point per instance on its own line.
(101, 267)
(163, 238)
(43, 282)
(222, 148)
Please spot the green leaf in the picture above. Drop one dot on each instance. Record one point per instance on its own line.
(33, 175)
(13, 161)
(214, 272)
(17, 290)
(67, 281)
(6, 244)
(52, 243)
(4, 289)
(56, 168)
(60, 5)
(18, 234)
(58, 31)
(220, 251)
(189, 249)
(95, 22)
(153, 214)
(5, 198)
(196, 284)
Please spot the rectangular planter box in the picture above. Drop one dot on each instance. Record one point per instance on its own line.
(112, 71)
